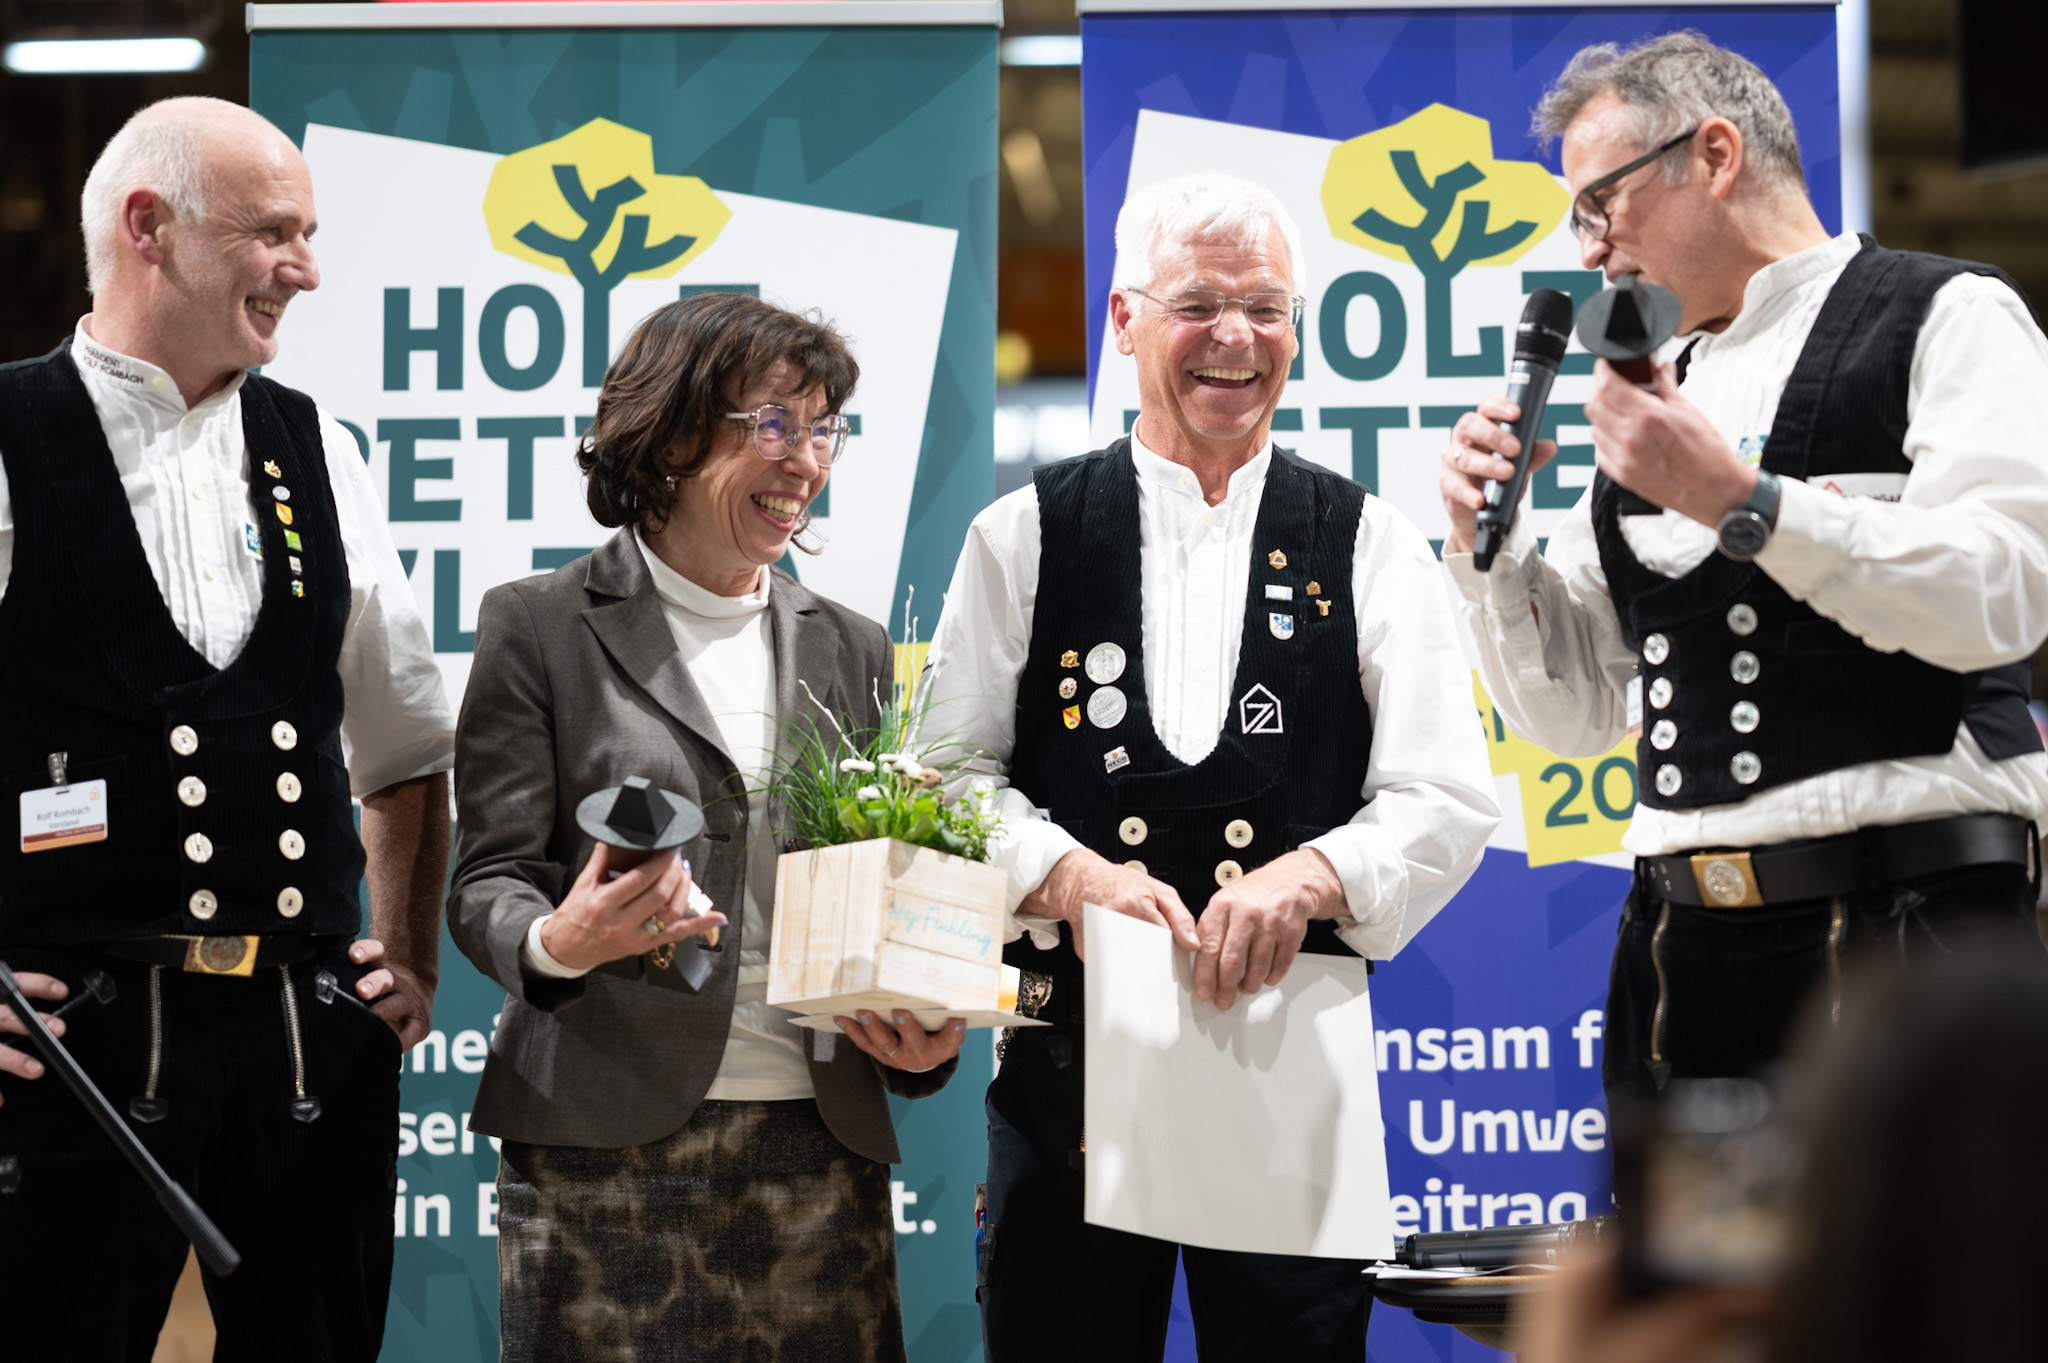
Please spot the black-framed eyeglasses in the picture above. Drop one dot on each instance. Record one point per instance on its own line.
(1205, 308)
(1589, 210)
(773, 426)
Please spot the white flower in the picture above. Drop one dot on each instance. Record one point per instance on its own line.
(910, 764)
(888, 759)
(868, 793)
(856, 764)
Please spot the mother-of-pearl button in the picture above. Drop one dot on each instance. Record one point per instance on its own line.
(192, 791)
(184, 740)
(203, 904)
(284, 735)
(288, 788)
(1137, 866)
(1656, 649)
(1132, 831)
(290, 901)
(1237, 833)
(292, 844)
(1227, 871)
(199, 847)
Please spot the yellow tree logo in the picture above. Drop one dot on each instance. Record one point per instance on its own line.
(560, 205)
(1399, 191)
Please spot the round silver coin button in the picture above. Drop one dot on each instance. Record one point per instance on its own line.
(1744, 717)
(1746, 767)
(1660, 693)
(1105, 664)
(1663, 734)
(1744, 667)
(1656, 649)
(1742, 618)
(1107, 708)
(1669, 779)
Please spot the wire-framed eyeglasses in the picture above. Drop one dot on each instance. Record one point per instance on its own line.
(1205, 308)
(775, 426)
(1589, 210)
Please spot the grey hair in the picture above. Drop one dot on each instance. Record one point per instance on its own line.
(162, 148)
(1671, 83)
(1205, 206)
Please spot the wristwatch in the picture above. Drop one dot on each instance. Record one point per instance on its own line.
(1743, 532)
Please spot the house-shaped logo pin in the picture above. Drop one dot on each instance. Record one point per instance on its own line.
(1258, 712)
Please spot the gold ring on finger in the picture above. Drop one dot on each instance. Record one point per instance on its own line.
(653, 926)
(892, 1050)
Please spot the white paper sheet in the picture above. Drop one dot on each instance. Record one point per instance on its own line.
(1256, 1129)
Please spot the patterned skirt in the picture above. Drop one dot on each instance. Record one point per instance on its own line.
(751, 1235)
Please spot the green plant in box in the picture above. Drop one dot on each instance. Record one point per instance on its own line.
(848, 785)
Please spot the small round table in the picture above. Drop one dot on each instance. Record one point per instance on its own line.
(1480, 1307)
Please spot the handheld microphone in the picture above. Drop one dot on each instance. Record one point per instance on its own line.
(1540, 340)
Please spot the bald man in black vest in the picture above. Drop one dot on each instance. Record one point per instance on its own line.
(213, 649)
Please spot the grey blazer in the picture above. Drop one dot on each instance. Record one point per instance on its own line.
(577, 685)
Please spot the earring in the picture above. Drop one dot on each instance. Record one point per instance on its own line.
(671, 481)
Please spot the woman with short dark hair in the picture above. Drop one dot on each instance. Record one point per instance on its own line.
(683, 1174)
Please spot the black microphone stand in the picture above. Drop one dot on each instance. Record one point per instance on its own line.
(213, 1247)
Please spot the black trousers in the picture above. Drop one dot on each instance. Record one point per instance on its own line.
(1712, 993)
(1052, 1286)
(88, 1258)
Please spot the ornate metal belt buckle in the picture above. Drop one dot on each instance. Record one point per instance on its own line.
(1726, 880)
(221, 955)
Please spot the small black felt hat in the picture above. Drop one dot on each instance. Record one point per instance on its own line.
(639, 814)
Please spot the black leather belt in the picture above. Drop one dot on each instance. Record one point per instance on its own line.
(1820, 867)
(216, 955)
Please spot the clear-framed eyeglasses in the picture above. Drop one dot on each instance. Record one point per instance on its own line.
(1589, 206)
(775, 426)
(1271, 312)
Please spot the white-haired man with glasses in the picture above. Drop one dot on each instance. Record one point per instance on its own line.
(1831, 599)
(1219, 689)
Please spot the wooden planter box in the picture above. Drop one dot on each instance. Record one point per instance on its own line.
(883, 925)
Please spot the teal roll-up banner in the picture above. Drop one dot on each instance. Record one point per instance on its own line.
(504, 190)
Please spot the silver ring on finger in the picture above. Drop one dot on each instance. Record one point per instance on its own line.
(653, 926)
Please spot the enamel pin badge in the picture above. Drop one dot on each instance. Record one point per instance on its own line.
(1071, 716)
(1281, 625)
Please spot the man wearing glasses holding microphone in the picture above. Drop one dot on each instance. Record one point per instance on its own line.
(1829, 600)
(1220, 690)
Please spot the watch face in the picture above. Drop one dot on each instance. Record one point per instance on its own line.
(1743, 534)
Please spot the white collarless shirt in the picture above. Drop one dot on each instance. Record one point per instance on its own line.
(186, 476)
(1949, 563)
(1427, 803)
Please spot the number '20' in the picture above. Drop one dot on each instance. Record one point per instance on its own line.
(1575, 785)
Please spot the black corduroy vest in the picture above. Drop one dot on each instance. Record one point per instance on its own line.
(1745, 688)
(1290, 762)
(228, 800)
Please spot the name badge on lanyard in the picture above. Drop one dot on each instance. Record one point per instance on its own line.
(63, 814)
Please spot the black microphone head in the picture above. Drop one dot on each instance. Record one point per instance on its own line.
(1545, 330)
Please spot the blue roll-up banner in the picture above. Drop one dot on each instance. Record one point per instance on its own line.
(504, 191)
(1399, 139)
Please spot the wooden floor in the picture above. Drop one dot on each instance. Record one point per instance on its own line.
(188, 1330)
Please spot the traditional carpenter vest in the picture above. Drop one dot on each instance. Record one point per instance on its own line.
(1290, 762)
(227, 799)
(1745, 688)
